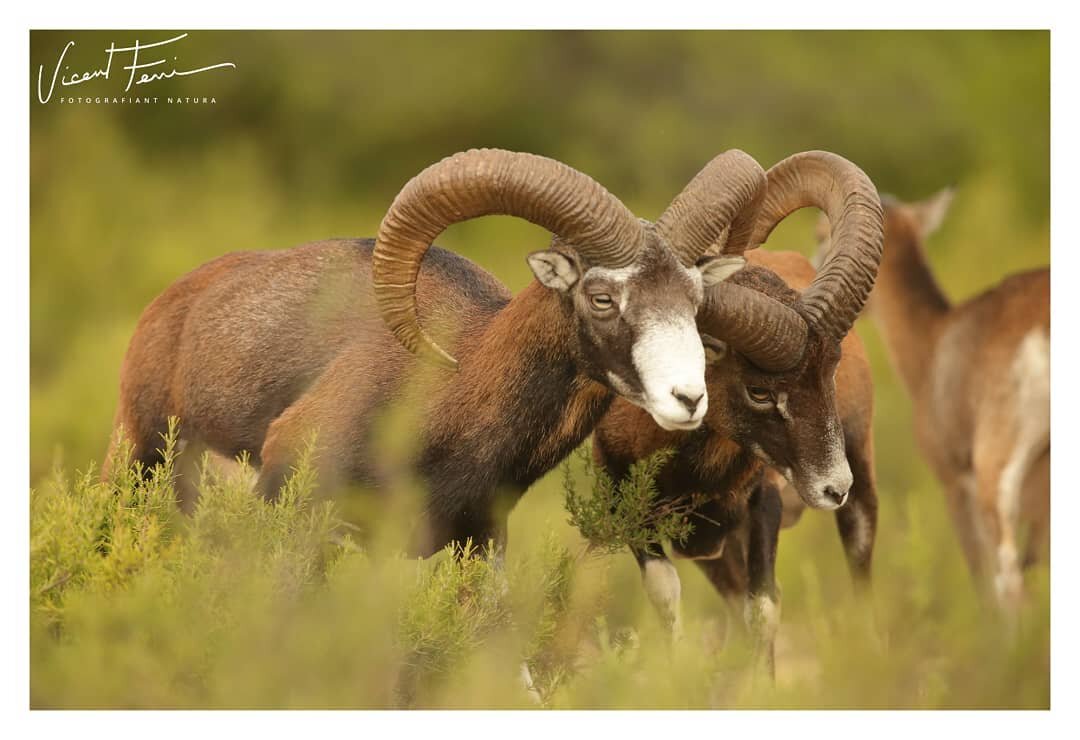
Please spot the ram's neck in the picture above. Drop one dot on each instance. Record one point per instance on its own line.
(910, 309)
(520, 403)
(709, 462)
(706, 460)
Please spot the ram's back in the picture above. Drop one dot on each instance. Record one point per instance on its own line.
(232, 344)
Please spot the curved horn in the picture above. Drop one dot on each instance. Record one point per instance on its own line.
(727, 192)
(851, 203)
(769, 333)
(482, 182)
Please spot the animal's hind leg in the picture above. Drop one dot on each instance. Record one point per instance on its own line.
(1000, 489)
(307, 419)
(146, 443)
(960, 498)
(143, 439)
(728, 572)
(1036, 498)
(1003, 462)
(189, 471)
(1001, 513)
(728, 575)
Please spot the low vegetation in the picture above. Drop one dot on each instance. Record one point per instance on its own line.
(250, 604)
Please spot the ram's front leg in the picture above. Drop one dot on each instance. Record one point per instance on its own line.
(716, 547)
(497, 539)
(762, 610)
(663, 587)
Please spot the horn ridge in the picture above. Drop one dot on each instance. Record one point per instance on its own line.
(769, 333)
(482, 182)
(726, 193)
(852, 205)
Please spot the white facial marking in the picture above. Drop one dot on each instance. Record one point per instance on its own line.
(617, 275)
(664, 590)
(781, 406)
(668, 357)
(670, 360)
(833, 472)
(614, 274)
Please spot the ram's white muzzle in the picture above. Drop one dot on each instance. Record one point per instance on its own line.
(670, 362)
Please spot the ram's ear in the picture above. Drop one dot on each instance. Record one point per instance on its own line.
(715, 350)
(554, 270)
(718, 269)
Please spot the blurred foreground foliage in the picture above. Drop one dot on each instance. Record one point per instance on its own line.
(246, 603)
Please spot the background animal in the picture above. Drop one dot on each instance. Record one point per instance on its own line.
(775, 404)
(978, 374)
(256, 350)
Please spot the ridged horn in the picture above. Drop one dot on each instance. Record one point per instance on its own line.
(769, 333)
(851, 203)
(727, 192)
(483, 182)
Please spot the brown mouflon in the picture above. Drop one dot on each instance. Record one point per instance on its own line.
(791, 397)
(256, 350)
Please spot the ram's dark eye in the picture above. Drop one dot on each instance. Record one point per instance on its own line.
(601, 301)
(758, 394)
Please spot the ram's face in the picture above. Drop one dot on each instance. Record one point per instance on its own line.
(637, 329)
(788, 419)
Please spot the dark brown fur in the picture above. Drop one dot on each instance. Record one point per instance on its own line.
(255, 351)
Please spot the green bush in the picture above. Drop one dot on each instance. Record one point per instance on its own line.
(249, 604)
(627, 513)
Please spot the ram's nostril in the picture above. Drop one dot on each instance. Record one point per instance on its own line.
(689, 400)
(835, 495)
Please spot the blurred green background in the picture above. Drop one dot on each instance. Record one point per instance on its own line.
(312, 135)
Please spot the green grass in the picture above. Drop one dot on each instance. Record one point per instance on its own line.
(251, 604)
